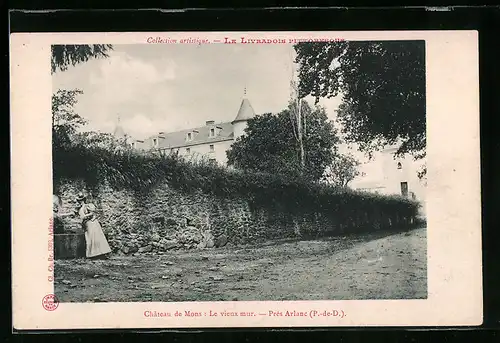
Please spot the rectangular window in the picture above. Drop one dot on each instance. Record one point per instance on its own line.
(189, 136)
(155, 142)
(404, 189)
(212, 149)
(188, 150)
(212, 132)
(212, 160)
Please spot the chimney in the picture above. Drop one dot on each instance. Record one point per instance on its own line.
(210, 122)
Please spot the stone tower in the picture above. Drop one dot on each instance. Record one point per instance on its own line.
(245, 113)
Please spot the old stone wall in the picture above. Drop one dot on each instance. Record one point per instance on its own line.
(156, 221)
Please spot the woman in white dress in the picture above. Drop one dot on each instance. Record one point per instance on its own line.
(97, 245)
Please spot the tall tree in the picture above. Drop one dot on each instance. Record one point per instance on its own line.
(298, 118)
(64, 56)
(65, 120)
(269, 144)
(382, 84)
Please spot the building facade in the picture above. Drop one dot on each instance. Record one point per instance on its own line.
(209, 142)
(385, 174)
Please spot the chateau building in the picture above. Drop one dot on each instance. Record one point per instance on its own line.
(210, 141)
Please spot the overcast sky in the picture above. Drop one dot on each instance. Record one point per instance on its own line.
(159, 87)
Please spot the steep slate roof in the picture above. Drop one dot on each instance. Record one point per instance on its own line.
(246, 111)
(179, 138)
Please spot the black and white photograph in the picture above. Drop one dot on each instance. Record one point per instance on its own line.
(245, 179)
(239, 172)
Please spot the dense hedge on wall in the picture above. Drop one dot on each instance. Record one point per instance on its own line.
(141, 172)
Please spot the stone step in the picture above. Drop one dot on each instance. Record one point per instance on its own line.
(69, 245)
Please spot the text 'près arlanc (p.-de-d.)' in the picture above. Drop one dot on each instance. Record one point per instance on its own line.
(312, 313)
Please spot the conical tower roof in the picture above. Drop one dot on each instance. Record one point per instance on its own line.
(119, 132)
(246, 111)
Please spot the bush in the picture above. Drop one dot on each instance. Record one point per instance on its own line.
(140, 172)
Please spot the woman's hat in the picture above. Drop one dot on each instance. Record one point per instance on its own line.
(80, 196)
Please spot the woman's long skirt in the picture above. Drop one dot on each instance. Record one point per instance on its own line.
(96, 241)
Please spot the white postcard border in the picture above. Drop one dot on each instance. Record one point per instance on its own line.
(453, 193)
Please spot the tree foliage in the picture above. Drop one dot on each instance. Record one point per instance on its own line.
(65, 120)
(422, 173)
(64, 56)
(269, 144)
(382, 84)
(66, 123)
(343, 170)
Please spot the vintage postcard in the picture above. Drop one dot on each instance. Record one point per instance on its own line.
(245, 179)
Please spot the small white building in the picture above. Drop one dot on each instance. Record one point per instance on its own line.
(385, 174)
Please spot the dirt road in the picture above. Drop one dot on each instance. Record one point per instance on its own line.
(380, 266)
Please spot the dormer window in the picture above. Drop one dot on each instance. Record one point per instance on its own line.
(400, 166)
(212, 132)
(190, 136)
